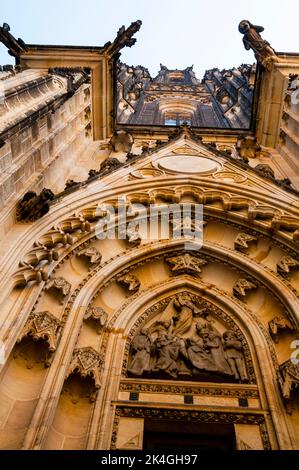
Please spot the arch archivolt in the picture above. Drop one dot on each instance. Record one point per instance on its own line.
(132, 316)
(257, 211)
(131, 313)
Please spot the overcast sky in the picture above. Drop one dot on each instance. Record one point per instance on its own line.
(176, 33)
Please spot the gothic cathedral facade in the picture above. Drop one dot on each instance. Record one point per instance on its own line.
(149, 250)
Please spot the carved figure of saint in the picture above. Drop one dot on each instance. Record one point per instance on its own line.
(234, 355)
(199, 357)
(184, 317)
(167, 348)
(141, 346)
(212, 343)
(253, 40)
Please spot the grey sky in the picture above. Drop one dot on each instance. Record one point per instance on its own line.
(177, 33)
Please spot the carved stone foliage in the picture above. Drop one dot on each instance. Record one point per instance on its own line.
(59, 284)
(192, 416)
(99, 315)
(278, 324)
(28, 274)
(242, 286)
(289, 378)
(43, 325)
(187, 345)
(32, 207)
(286, 265)
(242, 241)
(92, 254)
(87, 363)
(186, 264)
(130, 282)
(132, 385)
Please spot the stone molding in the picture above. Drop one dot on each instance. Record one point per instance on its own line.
(194, 415)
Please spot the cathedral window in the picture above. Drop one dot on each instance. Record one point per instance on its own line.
(177, 119)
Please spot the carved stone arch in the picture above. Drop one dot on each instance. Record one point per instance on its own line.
(100, 276)
(82, 298)
(236, 259)
(132, 316)
(174, 194)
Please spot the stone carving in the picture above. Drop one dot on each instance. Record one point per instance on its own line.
(286, 265)
(109, 165)
(234, 355)
(32, 207)
(70, 184)
(186, 264)
(74, 224)
(242, 240)
(53, 238)
(124, 38)
(99, 315)
(186, 310)
(168, 349)
(244, 446)
(186, 226)
(277, 324)
(121, 141)
(160, 351)
(27, 274)
(248, 147)
(252, 39)
(15, 46)
(34, 257)
(289, 378)
(192, 416)
(141, 347)
(242, 286)
(130, 282)
(133, 235)
(43, 325)
(265, 170)
(152, 386)
(87, 363)
(92, 254)
(93, 174)
(60, 284)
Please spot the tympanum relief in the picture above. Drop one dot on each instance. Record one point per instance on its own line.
(185, 342)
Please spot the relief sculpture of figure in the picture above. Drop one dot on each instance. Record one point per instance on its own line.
(253, 40)
(234, 355)
(184, 317)
(167, 347)
(141, 346)
(212, 343)
(200, 358)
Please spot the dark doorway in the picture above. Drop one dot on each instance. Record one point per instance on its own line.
(183, 434)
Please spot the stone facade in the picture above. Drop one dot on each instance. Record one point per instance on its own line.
(106, 336)
(222, 99)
